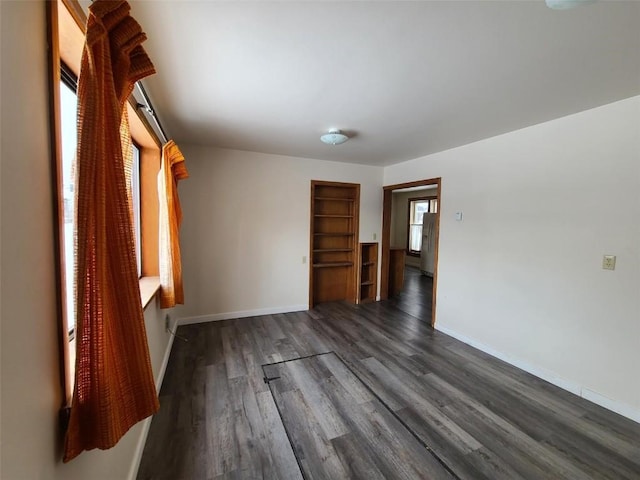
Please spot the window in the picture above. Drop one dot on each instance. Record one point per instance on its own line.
(68, 123)
(417, 208)
(68, 112)
(66, 189)
(135, 200)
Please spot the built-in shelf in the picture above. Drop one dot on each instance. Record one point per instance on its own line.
(335, 199)
(333, 275)
(332, 264)
(334, 234)
(368, 271)
(332, 250)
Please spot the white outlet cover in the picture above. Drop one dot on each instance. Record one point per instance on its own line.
(609, 262)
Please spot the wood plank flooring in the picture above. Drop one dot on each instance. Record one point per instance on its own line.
(416, 295)
(339, 428)
(484, 418)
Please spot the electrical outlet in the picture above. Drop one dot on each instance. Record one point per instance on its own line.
(609, 262)
(304, 259)
(167, 322)
(375, 236)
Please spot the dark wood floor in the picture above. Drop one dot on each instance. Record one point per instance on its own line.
(339, 428)
(416, 295)
(413, 390)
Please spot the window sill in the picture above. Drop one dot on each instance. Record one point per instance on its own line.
(149, 286)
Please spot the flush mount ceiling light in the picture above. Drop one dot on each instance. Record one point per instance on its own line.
(334, 137)
(567, 4)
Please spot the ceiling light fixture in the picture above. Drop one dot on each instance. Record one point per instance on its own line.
(334, 137)
(567, 4)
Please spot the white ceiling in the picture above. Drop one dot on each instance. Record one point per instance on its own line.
(403, 79)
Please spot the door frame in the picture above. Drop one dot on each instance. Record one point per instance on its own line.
(386, 236)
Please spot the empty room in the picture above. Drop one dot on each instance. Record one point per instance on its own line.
(320, 240)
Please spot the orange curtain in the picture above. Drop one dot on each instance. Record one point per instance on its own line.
(172, 170)
(114, 386)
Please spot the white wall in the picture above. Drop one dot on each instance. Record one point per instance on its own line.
(521, 275)
(31, 393)
(246, 228)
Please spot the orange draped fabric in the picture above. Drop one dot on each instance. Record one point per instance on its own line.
(172, 170)
(114, 386)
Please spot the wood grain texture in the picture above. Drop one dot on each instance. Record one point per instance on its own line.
(340, 429)
(484, 418)
(415, 297)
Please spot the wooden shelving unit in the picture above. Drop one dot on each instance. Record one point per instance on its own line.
(334, 240)
(368, 272)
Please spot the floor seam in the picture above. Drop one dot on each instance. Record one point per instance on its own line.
(375, 395)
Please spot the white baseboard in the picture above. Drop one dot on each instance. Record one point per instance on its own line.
(241, 314)
(609, 404)
(137, 457)
(165, 359)
(575, 388)
(146, 423)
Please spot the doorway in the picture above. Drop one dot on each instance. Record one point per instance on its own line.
(386, 279)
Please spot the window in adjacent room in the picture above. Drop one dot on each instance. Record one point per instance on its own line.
(417, 208)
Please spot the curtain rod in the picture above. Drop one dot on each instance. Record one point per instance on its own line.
(147, 107)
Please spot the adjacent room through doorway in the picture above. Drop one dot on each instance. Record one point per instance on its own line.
(410, 239)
